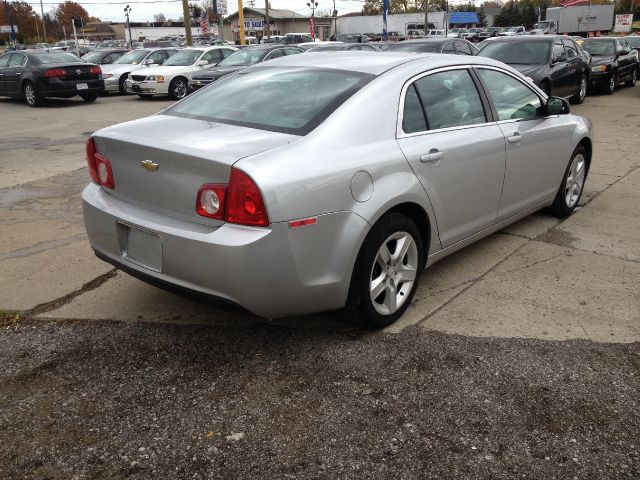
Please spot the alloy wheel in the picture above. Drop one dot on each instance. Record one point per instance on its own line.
(393, 273)
(583, 89)
(30, 94)
(179, 89)
(575, 180)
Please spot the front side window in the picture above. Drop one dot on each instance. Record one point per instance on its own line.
(558, 50)
(281, 99)
(570, 48)
(132, 58)
(274, 54)
(184, 58)
(93, 57)
(450, 99)
(212, 56)
(4, 60)
(243, 57)
(17, 60)
(512, 99)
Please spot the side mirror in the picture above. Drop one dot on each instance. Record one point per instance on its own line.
(560, 59)
(202, 63)
(556, 106)
(148, 61)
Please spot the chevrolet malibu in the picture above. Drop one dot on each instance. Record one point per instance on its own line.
(329, 181)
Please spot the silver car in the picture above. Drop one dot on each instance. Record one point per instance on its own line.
(317, 182)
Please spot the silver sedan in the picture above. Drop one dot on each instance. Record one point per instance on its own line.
(329, 181)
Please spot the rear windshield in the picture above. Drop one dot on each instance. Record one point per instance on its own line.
(279, 99)
(93, 57)
(600, 47)
(415, 47)
(56, 58)
(517, 53)
(132, 58)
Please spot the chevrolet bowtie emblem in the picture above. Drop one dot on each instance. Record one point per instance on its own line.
(149, 165)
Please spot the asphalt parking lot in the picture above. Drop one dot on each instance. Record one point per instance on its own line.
(519, 357)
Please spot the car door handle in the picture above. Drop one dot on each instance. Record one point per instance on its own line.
(434, 156)
(516, 138)
(18, 73)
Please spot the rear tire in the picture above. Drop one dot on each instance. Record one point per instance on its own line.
(89, 97)
(31, 95)
(632, 81)
(581, 93)
(386, 273)
(572, 186)
(123, 78)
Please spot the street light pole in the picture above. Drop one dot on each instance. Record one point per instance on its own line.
(426, 16)
(127, 10)
(44, 25)
(313, 6)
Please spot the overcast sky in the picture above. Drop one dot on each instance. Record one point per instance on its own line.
(107, 11)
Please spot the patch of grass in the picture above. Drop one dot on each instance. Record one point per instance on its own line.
(9, 319)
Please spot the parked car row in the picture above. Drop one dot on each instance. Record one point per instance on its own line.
(559, 65)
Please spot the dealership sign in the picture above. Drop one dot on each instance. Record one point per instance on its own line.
(7, 28)
(254, 24)
(221, 7)
(623, 23)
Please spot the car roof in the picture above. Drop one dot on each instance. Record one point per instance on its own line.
(431, 39)
(374, 62)
(527, 38)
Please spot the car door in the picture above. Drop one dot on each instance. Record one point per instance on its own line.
(625, 60)
(575, 63)
(559, 74)
(536, 144)
(13, 73)
(447, 134)
(4, 65)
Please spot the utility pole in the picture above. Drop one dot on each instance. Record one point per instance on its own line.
(127, 10)
(335, 20)
(426, 17)
(313, 4)
(37, 29)
(240, 21)
(75, 35)
(266, 10)
(186, 17)
(44, 25)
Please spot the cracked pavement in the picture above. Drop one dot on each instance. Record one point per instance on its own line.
(517, 358)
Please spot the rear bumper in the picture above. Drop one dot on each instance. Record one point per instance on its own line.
(55, 86)
(112, 84)
(272, 272)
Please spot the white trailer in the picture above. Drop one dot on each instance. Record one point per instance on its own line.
(577, 20)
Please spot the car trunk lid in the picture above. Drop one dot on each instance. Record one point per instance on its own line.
(160, 162)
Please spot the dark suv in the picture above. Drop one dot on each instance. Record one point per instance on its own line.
(553, 62)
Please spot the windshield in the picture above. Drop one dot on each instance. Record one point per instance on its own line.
(61, 57)
(133, 58)
(243, 57)
(280, 99)
(600, 47)
(93, 57)
(183, 58)
(415, 47)
(517, 53)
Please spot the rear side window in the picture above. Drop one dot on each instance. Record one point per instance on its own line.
(17, 60)
(448, 48)
(450, 99)
(512, 99)
(413, 119)
(279, 99)
(4, 60)
(463, 48)
(570, 48)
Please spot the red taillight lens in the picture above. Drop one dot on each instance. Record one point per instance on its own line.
(56, 72)
(210, 201)
(244, 201)
(95, 70)
(240, 202)
(99, 166)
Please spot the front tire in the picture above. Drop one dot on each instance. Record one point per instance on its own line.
(31, 95)
(632, 81)
(611, 87)
(121, 81)
(89, 97)
(386, 273)
(178, 89)
(581, 92)
(572, 184)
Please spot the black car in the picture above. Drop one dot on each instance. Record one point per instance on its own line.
(612, 62)
(488, 33)
(455, 46)
(239, 60)
(553, 62)
(34, 75)
(104, 57)
(344, 47)
(634, 42)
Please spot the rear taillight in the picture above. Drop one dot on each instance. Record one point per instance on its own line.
(95, 70)
(238, 202)
(55, 72)
(99, 166)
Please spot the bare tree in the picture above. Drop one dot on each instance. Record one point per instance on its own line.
(159, 17)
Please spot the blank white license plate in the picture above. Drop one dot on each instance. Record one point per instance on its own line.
(82, 86)
(141, 247)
